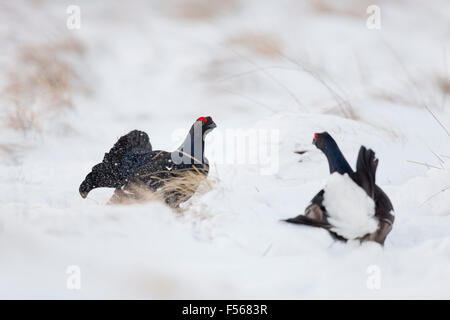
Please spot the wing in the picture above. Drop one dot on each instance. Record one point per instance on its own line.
(315, 214)
(109, 173)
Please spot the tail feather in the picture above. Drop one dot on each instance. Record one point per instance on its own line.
(366, 168)
(304, 220)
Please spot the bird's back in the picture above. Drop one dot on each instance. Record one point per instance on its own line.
(176, 182)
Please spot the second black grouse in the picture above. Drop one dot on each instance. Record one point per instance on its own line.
(375, 217)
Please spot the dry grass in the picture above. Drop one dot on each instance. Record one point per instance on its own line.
(412, 94)
(389, 96)
(22, 118)
(355, 9)
(439, 122)
(202, 9)
(10, 152)
(441, 161)
(343, 109)
(443, 83)
(341, 106)
(438, 156)
(40, 81)
(256, 43)
(416, 89)
(175, 190)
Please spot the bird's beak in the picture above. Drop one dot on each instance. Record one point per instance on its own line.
(212, 126)
(314, 141)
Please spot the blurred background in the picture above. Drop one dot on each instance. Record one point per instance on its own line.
(165, 61)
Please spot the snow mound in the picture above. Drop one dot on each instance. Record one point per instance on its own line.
(350, 210)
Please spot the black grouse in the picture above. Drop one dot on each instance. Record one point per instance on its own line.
(132, 163)
(317, 213)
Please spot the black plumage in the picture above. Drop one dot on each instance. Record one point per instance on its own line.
(132, 163)
(109, 172)
(316, 214)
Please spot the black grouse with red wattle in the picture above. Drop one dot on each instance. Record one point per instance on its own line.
(316, 214)
(132, 162)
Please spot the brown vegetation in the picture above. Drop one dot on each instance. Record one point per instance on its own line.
(202, 9)
(40, 81)
(174, 190)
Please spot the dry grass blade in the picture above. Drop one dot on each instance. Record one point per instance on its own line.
(425, 164)
(249, 99)
(436, 194)
(436, 155)
(438, 121)
(233, 76)
(343, 104)
(290, 93)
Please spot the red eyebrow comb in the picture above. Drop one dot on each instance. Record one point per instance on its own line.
(203, 119)
(316, 135)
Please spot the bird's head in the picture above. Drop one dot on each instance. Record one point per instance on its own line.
(86, 186)
(336, 160)
(207, 124)
(323, 140)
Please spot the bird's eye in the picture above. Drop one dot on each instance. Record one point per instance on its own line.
(203, 119)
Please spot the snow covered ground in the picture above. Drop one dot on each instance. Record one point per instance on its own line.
(284, 69)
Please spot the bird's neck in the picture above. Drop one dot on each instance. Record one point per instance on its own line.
(336, 160)
(193, 147)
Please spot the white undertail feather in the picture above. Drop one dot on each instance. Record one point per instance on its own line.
(351, 211)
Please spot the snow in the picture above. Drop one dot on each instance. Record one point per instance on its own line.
(154, 66)
(351, 211)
